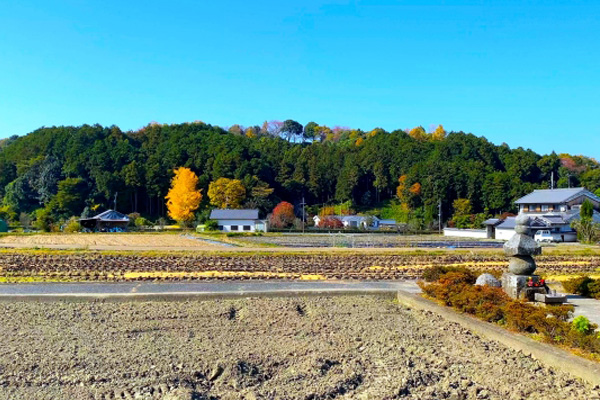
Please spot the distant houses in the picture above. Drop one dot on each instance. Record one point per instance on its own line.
(551, 210)
(357, 222)
(232, 220)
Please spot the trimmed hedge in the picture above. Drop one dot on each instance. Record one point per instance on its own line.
(455, 289)
(583, 286)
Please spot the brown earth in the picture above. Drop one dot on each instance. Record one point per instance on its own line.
(348, 347)
(36, 266)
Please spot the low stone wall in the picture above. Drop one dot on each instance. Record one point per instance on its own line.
(468, 233)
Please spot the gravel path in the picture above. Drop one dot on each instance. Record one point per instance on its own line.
(347, 347)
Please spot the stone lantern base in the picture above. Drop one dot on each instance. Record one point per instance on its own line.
(516, 286)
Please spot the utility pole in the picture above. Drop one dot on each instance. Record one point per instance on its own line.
(440, 217)
(303, 213)
(116, 201)
(552, 180)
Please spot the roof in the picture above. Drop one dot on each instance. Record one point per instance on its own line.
(234, 214)
(492, 221)
(387, 222)
(555, 196)
(508, 223)
(548, 220)
(110, 216)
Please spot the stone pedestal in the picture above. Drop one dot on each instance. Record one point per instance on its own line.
(516, 286)
(551, 298)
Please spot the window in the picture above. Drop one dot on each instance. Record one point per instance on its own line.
(247, 227)
(234, 227)
(545, 207)
(220, 227)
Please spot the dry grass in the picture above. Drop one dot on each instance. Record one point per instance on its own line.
(110, 240)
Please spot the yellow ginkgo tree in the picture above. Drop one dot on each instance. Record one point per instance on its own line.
(183, 197)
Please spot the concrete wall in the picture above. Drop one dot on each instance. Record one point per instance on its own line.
(468, 233)
(504, 234)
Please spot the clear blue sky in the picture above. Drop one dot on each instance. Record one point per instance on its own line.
(522, 72)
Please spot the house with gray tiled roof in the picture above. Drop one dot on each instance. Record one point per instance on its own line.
(550, 209)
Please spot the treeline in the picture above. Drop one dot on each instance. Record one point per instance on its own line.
(66, 171)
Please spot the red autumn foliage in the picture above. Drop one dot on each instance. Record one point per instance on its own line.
(283, 215)
(331, 223)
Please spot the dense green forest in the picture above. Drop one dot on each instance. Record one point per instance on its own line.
(59, 172)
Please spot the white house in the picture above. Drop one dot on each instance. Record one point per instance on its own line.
(549, 209)
(553, 210)
(358, 221)
(238, 220)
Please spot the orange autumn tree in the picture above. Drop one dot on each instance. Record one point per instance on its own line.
(283, 215)
(183, 197)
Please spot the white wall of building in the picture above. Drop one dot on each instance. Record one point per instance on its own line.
(240, 223)
(468, 233)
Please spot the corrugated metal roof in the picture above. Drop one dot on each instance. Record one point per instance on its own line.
(234, 214)
(555, 196)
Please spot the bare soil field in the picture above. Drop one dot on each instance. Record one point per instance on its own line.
(349, 347)
(109, 241)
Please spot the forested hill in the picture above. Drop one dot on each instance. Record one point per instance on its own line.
(69, 168)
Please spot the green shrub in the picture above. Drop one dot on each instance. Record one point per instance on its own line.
(578, 285)
(584, 286)
(581, 324)
(211, 225)
(594, 288)
(72, 225)
(141, 222)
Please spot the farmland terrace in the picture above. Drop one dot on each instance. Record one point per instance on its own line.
(69, 266)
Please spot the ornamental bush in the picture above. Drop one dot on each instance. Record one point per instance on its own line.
(456, 289)
(583, 286)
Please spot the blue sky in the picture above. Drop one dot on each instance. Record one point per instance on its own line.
(524, 73)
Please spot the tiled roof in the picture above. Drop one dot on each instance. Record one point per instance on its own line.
(555, 196)
(234, 214)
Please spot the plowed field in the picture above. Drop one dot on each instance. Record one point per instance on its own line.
(293, 348)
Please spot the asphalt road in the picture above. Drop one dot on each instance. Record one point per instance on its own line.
(142, 290)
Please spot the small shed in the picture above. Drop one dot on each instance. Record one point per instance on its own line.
(490, 227)
(108, 221)
(3, 226)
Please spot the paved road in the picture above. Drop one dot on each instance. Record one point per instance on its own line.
(165, 291)
(85, 291)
